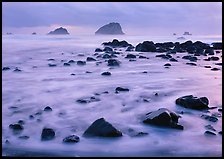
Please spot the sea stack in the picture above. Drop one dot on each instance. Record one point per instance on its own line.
(111, 29)
(59, 31)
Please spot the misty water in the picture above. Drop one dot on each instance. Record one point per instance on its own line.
(27, 92)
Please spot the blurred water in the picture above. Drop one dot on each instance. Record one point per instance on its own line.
(34, 88)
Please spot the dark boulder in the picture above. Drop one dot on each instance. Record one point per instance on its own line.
(146, 46)
(110, 29)
(106, 73)
(17, 70)
(167, 64)
(120, 89)
(191, 63)
(102, 128)
(113, 62)
(67, 64)
(186, 44)
(207, 132)
(217, 45)
(16, 127)
(214, 58)
(209, 118)
(90, 59)
(81, 63)
(173, 60)
(215, 69)
(163, 117)
(98, 50)
(5, 68)
(107, 49)
(209, 51)
(52, 65)
(130, 48)
(47, 134)
(130, 56)
(71, 139)
(59, 31)
(71, 61)
(142, 57)
(192, 102)
(115, 43)
(47, 109)
(106, 56)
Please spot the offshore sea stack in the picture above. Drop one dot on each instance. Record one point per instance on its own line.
(111, 29)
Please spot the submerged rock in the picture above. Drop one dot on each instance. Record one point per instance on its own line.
(71, 139)
(130, 56)
(163, 117)
(215, 69)
(47, 109)
(5, 68)
(98, 50)
(167, 64)
(16, 127)
(17, 70)
(47, 134)
(209, 118)
(120, 89)
(102, 128)
(106, 73)
(113, 62)
(52, 65)
(209, 133)
(191, 63)
(90, 59)
(192, 102)
(88, 100)
(81, 63)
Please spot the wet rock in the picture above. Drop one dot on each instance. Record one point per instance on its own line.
(88, 100)
(163, 117)
(209, 133)
(47, 134)
(47, 109)
(146, 46)
(52, 65)
(106, 56)
(173, 60)
(130, 56)
(131, 60)
(21, 122)
(209, 51)
(217, 45)
(98, 50)
(215, 69)
(71, 61)
(187, 57)
(50, 59)
(82, 101)
(106, 73)
(192, 102)
(130, 48)
(110, 29)
(5, 68)
(120, 89)
(89, 72)
(81, 63)
(90, 59)
(142, 57)
(193, 58)
(207, 66)
(191, 63)
(80, 54)
(209, 118)
(17, 70)
(71, 139)
(73, 74)
(115, 43)
(156, 94)
(216, 114)
(107, 49)
(214, 58)
(31, 116)
(25, 137)
(16, 127)
(220, 64)
(144, 72)
(113, 62)
(220, 109)
(102, 128)
(210, 127)
(67, 64)
(167, 64)
(131, 132)
(7, 141)
(220, 132)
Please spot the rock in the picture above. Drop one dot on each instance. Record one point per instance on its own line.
(193, 58)
(31, 116)
(130, 48)
(207, 66)
(21, 122)
(47, 134)
(146, 46)
(191, 63)
(130, 56)
(216, 114)
(71, 61)
(173, 60)
(5, 68)
(34, 33)
(192, 102)
(16, 127)
(73, 74)
(106, 73)
(220, 109)
(220, 63)
(47, 109)
(71, 139)
(186, 44)
(107, 49)
(209, 133)
(25, 137)
(209, 51)
(17, 70)
(217, 46)
(120, 89)
(82, 101)
(81, 63)
(187, 33)
(98, 50)
(163, 117)
(113, 62)
(59, 31)
(106, 56)
(115, 43)
(52, 65)
(210, 127)
(142, 57)
(209, 118)
(88, 100)
(167, 64)
(111, 28)
(102, 128)
(220, 132)
(90, 59)
(215, 69)
(66, 64)
(214, 58)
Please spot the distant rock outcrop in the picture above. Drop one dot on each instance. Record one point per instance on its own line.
(187, 33)
(111, 28)
(59, 31)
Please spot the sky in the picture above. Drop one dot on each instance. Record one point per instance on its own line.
(135, 18)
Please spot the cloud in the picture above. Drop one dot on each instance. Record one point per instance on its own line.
(200, 17)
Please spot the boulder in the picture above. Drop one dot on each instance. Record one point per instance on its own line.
(5, 68)
(113, 62)
(163, 117)
(130, 56)
(71, 139)
(16, 127)
(47, 134)
(102, 128)
(108, 49)
(47, 109)
(106, 73)
(217, 45)
(120, 89)
(98, 50)
(90, 59)
(146, 46)
(115, 43)
(81, 63)
(111, 28)
(167, 64)
(192, 102)
(191, 63)
(209, 118)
